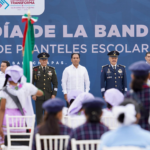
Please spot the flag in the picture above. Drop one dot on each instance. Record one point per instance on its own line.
(28, 46)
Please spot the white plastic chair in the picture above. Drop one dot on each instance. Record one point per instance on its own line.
(123, 148)
(52, 142)
(84, 144)
(110, 122)
(73, 121)
(19, 123)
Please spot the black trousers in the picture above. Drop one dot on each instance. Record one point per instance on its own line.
(39, 110)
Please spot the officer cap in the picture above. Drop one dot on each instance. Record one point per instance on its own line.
(140, 68)
(53, 105)
(43, 56)
(93, 103)
(113, 54)
(113, 96)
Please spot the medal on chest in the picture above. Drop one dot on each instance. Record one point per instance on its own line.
(120, 71)
(108, 71)
(50, 73)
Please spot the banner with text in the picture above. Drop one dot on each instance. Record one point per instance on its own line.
(91, 28)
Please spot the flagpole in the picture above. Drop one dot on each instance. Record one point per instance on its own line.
(29, 13)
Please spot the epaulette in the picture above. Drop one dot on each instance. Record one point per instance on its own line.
(35, 67)
(122, 66)
(104, 66)
(51, 67)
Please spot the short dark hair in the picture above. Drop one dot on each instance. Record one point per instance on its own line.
(147, 53)
(74, 54)
(109, 106)
(7, 63)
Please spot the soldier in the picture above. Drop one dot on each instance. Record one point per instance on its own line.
(113, 75)
(44, 77)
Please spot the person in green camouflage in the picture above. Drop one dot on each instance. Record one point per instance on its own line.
(44, 78)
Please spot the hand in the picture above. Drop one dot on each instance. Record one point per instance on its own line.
(53, 96)
(103, 97)
(1, 133)
(65, 97)
(34, 97)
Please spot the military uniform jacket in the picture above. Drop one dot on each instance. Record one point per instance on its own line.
(113, 78)
(44, 81)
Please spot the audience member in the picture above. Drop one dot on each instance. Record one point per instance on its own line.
(140, 90)
(113, 97)
(129, 133)
(71, 96)
(4, 65)
(51, 124)
(20, 91)
(93, 128)
(76, 106)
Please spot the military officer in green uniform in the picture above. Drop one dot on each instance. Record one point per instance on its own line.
(44, 78)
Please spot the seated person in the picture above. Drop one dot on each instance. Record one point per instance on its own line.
(93, 128)
(75, 111)
(76, 106)
(51, 124)
(129, 133)
(71, 96)
(113, 97)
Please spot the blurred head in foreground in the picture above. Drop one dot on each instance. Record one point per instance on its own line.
(128, 112)
(93, 109)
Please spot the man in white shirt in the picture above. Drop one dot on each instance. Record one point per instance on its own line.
(75, 77)
(4, 65)
(147, 58)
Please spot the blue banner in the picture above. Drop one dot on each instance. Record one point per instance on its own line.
(89, 27)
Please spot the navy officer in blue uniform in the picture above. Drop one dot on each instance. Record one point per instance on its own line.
(113, 75)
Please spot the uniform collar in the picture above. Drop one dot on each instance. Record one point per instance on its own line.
(1, 72)
(115, 66)
(42, 66)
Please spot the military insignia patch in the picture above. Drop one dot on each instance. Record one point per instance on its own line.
(120, 71)
(114, 53)
(109, 77)
(35, 69)
(108, 71)
(35, 77)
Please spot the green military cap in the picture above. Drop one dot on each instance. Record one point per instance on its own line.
(43, 56)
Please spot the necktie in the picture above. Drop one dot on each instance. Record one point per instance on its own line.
(44, 69)
(114, 67)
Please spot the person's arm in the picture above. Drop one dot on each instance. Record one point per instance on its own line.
(64, 83)
(102, 81)
(34, 91)
(55, 84)
(39, 93)
(87, 81)
(2, 112)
